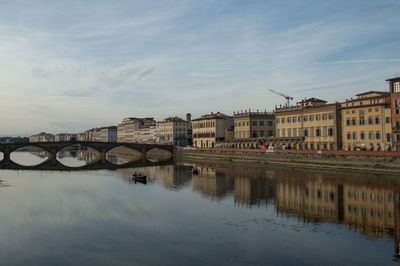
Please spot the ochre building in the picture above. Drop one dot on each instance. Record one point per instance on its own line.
(253, 128)
(366, 122)
(310, 125)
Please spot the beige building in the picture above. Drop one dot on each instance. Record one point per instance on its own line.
(42, 137)
(310, 125)
(255, 126)
(121, 133)
(173, 130)
(208, 130)
(366, 122)
(130, 124)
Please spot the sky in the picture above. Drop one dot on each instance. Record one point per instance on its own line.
(67, 66)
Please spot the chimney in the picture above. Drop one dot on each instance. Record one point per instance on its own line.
(188, 117)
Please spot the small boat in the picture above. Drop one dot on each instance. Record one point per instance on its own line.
(139, 177)
(195, 171)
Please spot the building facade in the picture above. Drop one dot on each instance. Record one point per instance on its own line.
(108, 134)
(173, 130)
(394, 87)
(366, 122)
(251, 129)
(42, 137)
(310, 125)
(208, 130)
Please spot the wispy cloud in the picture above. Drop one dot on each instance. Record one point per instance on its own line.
(116, 58)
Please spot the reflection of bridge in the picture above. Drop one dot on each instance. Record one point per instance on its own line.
(52, 148)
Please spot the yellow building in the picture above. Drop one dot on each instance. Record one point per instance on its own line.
(310, 125)
(366, 122)
(208, 130)
(253, 126)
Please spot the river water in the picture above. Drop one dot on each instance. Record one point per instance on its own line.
(225, 215)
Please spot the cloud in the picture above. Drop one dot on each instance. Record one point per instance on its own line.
(93, 64)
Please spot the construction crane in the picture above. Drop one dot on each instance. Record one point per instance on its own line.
(288, 98)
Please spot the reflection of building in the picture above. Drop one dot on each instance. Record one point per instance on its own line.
(311, 125)
(311, 199)
(369, 209)
(366, 122)
(209, 130)
(212, 183)
(253, 125)
(394, 87)
(250, 191)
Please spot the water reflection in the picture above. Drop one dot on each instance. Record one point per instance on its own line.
(363, 202)
(76, 158)
(226, 214)
(29, 158)
(1, 156)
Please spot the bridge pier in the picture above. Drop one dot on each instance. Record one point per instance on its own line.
(6, 158)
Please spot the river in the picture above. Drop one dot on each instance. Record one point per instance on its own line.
(226, 215)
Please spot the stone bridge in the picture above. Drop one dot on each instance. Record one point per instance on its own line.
(52, 148)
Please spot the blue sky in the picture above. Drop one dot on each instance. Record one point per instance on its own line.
(71, 65)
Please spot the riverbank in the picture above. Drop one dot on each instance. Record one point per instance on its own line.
(382, 162)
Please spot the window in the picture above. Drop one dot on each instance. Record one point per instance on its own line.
(370, 120)
(388, 137)
(330, 132)
(305, 118)
(294, 119)
(396, 87)
(370, 110)
(377, 135)
(362, 120)
(283, 120)
(318, 132)
(353, 121)
(270, 123)
(299, 118)
(387, 120)
(289, 119)
(348, 122)
(324, 116)
(377, 120)
(277, 121)
(324, 131)
(348, 135)
(362, 135)
(330, 116)
(318, 117)
(261, 123)
(354, 135)
(347, 112)
(377, 109)
(255, 123)
(370, 135)
(311, 117)
(311, 132)
(305, 132)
